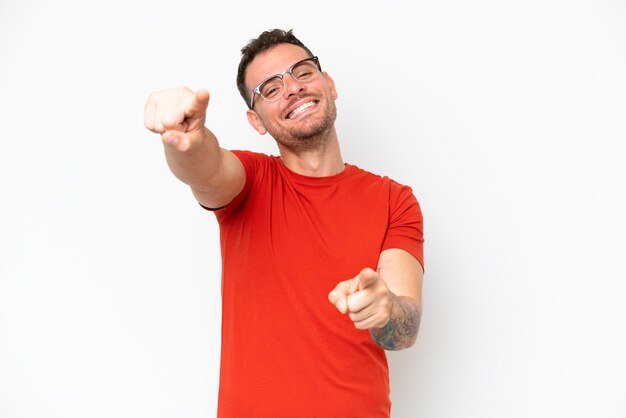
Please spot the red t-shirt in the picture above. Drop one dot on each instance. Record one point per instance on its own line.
(286, 241)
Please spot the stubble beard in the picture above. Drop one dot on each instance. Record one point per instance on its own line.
(314, 135)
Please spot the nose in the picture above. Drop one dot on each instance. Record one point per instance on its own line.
(292, 86)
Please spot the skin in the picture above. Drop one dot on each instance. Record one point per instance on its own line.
(385, 301)
(316, 152)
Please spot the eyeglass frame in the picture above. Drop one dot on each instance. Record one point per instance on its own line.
(257, 89)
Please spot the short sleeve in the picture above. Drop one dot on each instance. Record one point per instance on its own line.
(406, 223)
(249, 160)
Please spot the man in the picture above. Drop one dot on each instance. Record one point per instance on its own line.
(297, 232)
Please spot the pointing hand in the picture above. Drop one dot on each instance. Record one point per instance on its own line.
(365, 298)
(177, 114)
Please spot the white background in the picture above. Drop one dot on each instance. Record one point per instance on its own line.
(506, 118)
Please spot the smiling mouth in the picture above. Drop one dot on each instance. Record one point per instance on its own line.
(301, 109)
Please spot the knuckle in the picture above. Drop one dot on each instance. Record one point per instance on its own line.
(171, 119)
(352, 304)
(168, 120)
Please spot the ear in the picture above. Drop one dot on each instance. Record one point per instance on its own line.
(255, 122)
(331, 85)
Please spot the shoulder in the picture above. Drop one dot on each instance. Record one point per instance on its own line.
(250, 156)
(394, 187)
(255, 162)
(399, 197)
(356, 173)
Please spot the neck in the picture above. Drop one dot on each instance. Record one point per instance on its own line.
(320, 161)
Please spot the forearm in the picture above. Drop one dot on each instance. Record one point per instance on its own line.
(401, 330)
(198, 164)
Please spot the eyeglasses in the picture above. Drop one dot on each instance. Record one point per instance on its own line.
(273, 88)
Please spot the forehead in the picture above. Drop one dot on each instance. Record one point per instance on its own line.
(273, 61)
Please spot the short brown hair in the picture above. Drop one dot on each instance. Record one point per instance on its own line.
(265, 41)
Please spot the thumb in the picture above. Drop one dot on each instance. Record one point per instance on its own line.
(177, 139)
(366, 278)
(339, 296)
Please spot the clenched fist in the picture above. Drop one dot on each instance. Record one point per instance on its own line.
(177, 114)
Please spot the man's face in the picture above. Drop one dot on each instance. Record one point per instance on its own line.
(306, 111)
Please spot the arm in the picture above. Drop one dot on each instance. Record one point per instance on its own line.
(403, 275)
(386, 302)
(214, 174)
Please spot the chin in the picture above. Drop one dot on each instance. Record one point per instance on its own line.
(309, 133)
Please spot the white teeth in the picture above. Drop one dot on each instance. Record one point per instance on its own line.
(300, 109)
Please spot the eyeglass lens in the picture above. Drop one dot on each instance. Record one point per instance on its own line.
(272, 89)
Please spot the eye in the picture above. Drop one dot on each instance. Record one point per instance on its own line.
(270, 93)
(303, 74)
(271, 88)
(304, 71)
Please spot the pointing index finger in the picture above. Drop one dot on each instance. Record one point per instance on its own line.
(198, 105)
